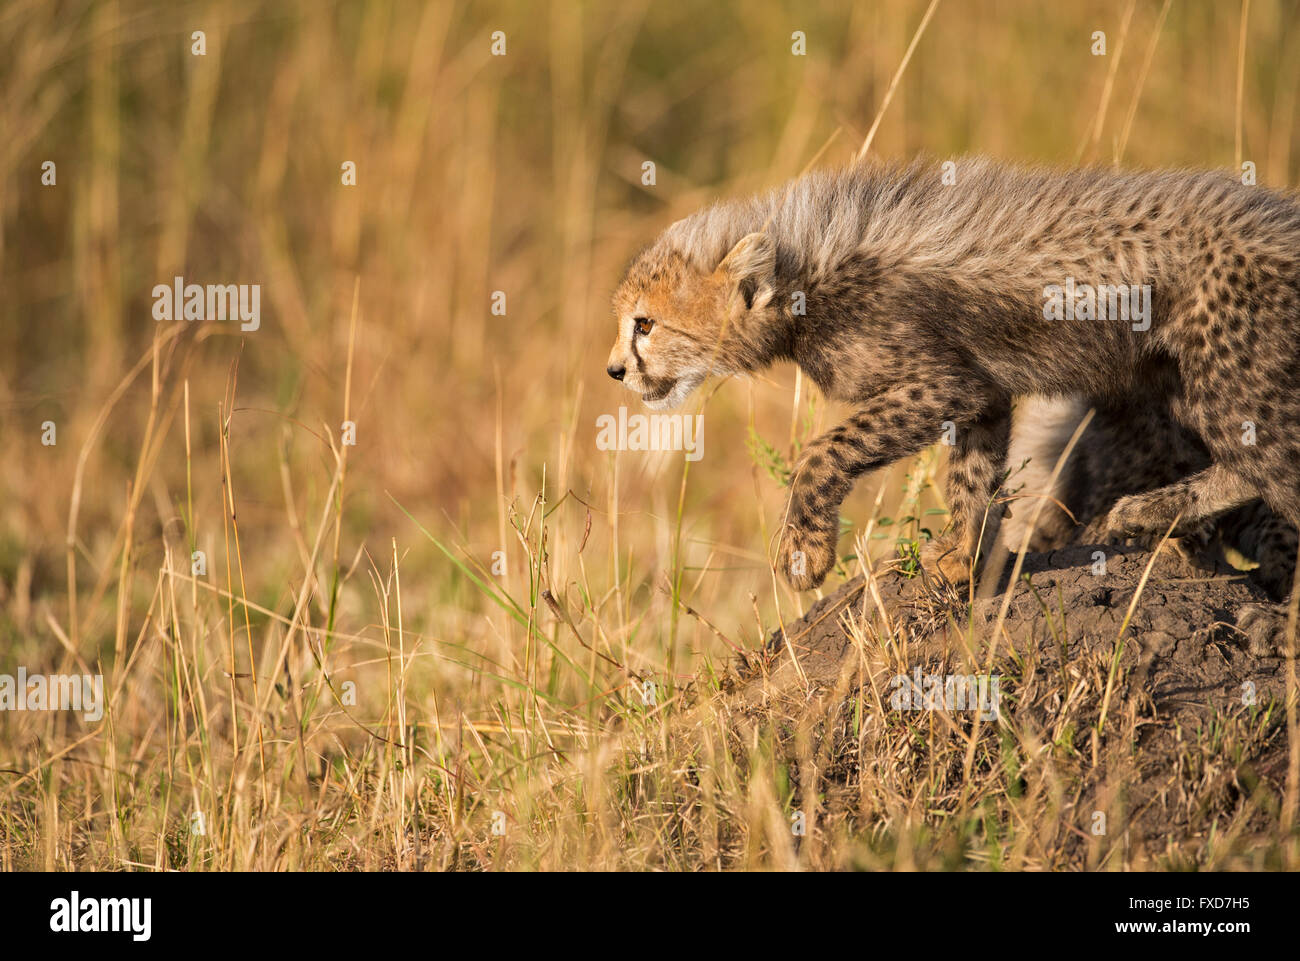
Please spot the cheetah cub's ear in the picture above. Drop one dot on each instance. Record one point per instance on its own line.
(750, 270)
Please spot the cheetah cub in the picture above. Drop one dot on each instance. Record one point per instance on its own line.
(928, 296)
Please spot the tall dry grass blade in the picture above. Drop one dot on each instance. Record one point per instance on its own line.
(898, 75)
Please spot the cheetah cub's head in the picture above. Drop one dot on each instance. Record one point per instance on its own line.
(678, 323)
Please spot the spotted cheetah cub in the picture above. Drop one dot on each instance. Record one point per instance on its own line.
(927, 298)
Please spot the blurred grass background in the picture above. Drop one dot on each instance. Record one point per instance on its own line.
(475, 173)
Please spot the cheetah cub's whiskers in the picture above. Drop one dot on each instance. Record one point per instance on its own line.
(921, 304)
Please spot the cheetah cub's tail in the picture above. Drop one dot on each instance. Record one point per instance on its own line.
(1040, 429)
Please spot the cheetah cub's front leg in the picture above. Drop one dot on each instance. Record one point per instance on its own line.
(894, 424)
(975, 472)
(822, 479)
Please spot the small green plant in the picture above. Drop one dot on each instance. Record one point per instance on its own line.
(769, 458)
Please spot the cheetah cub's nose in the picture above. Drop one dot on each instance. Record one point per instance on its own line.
(616, 372)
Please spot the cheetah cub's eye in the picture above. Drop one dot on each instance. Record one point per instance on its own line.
(644, 325)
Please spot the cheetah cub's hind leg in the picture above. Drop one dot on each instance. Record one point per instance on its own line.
(1196, 503)
(1191, 502)
(1253, 529)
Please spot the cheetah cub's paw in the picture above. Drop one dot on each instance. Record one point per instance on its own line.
(1125, 521)
(806, 556)
(945, 559)
(1265, 628)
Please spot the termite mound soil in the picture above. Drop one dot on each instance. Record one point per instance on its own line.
(1169, 723)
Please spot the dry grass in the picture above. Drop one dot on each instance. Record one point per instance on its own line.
(333, 569)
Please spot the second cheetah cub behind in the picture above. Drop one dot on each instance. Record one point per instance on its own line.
(928, 306)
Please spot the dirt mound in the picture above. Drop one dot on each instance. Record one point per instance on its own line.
(1159, 717)
(1183, 642)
